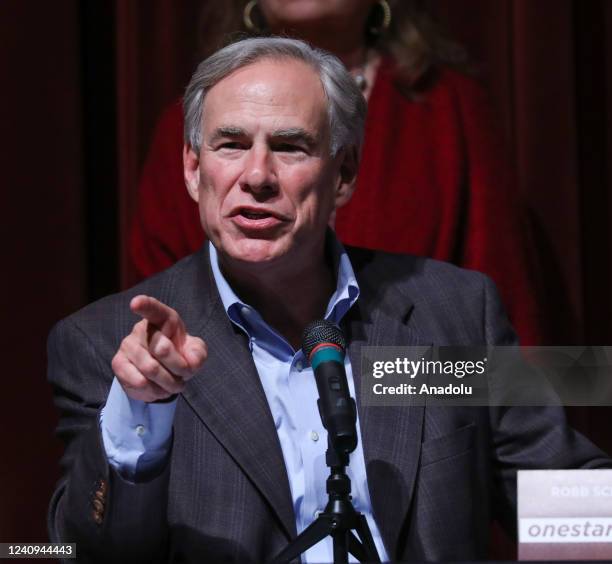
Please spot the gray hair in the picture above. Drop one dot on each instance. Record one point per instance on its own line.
(346, 105)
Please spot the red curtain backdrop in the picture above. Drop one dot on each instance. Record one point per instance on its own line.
(156, 54)
(527, 48)
(42, 232)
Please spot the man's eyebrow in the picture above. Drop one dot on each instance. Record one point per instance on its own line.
(285, 134)
(295, 134)
(227, 131)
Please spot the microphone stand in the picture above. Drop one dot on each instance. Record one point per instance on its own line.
(338, 520)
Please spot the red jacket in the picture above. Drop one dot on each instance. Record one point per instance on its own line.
(433, 181)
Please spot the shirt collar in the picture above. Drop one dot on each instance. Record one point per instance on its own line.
(344, 296)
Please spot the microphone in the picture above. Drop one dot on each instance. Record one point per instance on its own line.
(324, 346)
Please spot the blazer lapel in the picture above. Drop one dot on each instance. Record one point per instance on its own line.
(391, 435)
(228, 397)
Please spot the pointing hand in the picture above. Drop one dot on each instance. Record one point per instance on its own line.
(158, 357)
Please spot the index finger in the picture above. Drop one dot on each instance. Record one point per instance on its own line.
(158, 314)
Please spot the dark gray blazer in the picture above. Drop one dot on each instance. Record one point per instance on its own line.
(437, 476)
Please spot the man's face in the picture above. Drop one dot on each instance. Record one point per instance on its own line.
(264, 179)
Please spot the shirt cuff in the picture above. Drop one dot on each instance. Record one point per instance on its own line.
(137, 436)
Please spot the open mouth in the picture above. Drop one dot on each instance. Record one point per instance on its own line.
(249, 214)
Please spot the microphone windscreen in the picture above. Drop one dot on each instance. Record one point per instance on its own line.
(319, 332)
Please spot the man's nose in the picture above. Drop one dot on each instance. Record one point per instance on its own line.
(259, 174)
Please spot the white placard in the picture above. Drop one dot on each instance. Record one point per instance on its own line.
(565, 514)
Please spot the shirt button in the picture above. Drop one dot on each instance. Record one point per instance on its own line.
(317, 513)
(314, 436)
(140, 430)
(299, 366)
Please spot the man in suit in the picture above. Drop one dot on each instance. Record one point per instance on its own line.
(188, 410)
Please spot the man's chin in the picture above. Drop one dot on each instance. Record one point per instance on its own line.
(257, 251)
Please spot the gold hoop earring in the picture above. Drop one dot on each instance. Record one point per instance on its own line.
(386, 19)
(247, 19)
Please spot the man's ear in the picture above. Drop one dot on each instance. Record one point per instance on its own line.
(191, 171)
(348, 175)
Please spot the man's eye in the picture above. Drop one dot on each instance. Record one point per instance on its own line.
(231, 145)
(288, 148)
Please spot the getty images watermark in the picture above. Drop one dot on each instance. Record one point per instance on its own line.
(483, 376)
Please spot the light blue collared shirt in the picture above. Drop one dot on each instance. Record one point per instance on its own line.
(291, 391)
